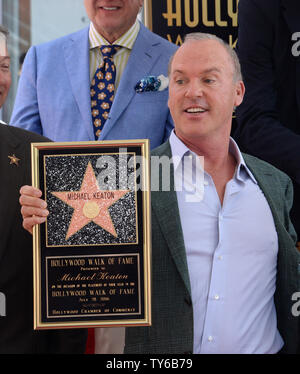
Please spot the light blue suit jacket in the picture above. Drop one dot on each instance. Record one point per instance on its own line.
(53, 97)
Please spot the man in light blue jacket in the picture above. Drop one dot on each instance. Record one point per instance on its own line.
(53, 97)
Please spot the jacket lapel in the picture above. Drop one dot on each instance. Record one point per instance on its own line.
(265, 180)
(76, 53)
(142, 58)
(165, 208)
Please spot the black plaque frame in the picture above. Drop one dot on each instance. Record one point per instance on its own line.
(86, 273)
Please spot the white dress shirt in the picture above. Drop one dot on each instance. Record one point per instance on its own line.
(232, 257)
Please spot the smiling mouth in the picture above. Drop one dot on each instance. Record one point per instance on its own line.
(109, 8)
(195, 110)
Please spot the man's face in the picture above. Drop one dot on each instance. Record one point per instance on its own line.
(112, 18)
(5, 77)
(202, 92)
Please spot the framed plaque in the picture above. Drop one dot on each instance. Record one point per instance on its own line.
(92, 256)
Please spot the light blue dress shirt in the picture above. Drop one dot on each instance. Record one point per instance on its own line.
(232, 257)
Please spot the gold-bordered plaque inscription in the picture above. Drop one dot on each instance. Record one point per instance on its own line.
(92, 257)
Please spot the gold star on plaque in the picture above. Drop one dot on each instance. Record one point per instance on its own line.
(14, 160)
(90, 204)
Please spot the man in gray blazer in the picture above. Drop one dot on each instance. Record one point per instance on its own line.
(225, 265)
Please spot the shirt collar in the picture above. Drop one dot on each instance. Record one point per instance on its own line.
(127, 40)
(242, 172)
(179, 149)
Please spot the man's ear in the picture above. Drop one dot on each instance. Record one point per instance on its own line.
(240, 92)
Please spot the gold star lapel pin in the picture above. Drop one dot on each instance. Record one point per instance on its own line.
(14, 160)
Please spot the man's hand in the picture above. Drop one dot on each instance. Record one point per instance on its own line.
(33, 207)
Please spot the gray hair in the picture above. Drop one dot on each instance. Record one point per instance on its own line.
(237, 74)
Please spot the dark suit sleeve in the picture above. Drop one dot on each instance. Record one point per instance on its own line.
(259, 129)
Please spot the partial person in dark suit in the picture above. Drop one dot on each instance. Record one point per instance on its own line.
(225, 264)
(268, 120)
(16, 278)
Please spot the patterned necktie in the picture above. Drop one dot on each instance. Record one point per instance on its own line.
(103, 88)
